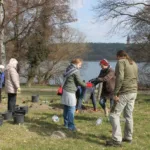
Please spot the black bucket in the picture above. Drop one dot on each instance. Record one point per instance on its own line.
(18, 118)
(35, 98)
(25, 108)
(17, 107)
(19, 111)
(7, 115)
(1, 120)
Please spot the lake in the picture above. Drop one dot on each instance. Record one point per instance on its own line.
(91, 69)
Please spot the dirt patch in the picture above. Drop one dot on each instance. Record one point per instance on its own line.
(39, 106)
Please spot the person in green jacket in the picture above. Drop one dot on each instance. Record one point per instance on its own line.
(125, 93)
(71, 81)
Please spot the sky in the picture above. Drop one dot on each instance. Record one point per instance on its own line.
(94, 31)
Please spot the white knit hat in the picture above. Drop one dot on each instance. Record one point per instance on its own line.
(2, 67)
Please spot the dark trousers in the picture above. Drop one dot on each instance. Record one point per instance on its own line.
(11, 101)
(93, 98)
(83, 96)
(79, 97)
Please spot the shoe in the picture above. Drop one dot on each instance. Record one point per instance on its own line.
(113, 143)
(65, 126)
(95, 110)
(77, 111)
(126, 140)
(74, 130)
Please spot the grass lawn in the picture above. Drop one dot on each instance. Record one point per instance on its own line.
(35, 133)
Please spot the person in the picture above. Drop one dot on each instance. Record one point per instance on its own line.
(91, 92)
(79, 97)
(71, 81)
(12, 83)
(82, 93)
(125, 93)
(107, 77)
(2, 80)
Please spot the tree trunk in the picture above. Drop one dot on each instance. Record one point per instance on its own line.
(30, 81)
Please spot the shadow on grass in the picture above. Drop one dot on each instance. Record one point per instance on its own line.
(54, 105)
(43, 127)
(147, 99)
(142, 100)
(85, 118)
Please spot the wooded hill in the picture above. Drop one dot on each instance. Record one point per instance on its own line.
(103, 50)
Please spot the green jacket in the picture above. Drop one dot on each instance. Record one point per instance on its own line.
(126, 77)
(72, 82)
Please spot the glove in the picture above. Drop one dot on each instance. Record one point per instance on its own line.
(89, 85)
(19, 90)
(92, 80)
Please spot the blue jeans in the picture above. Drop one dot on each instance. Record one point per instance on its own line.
(68, 115)
(103, 100)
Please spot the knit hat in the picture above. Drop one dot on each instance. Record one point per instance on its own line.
(2, 67)
(104, 62)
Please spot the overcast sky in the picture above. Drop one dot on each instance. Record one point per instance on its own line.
(94, 31)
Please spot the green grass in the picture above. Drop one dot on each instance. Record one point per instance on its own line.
(35, 133)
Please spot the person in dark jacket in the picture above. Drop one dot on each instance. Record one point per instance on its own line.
(71, 81)
(107, 76)
(2, 80)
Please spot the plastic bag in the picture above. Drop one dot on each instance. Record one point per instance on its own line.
(98, 121)
(55, 118)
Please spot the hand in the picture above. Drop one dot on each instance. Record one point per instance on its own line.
(19, 90)
(92, 80)
(116, 98)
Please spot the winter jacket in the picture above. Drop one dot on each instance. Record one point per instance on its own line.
(12, 82)
(107, 76)
(126, 77)
(72, 79)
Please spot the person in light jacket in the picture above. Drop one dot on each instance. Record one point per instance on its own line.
(12, 83)
(71, 82)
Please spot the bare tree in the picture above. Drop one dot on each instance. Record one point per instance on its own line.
(133, 17)
(37, 32)
(71, 46)
(122, 12)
